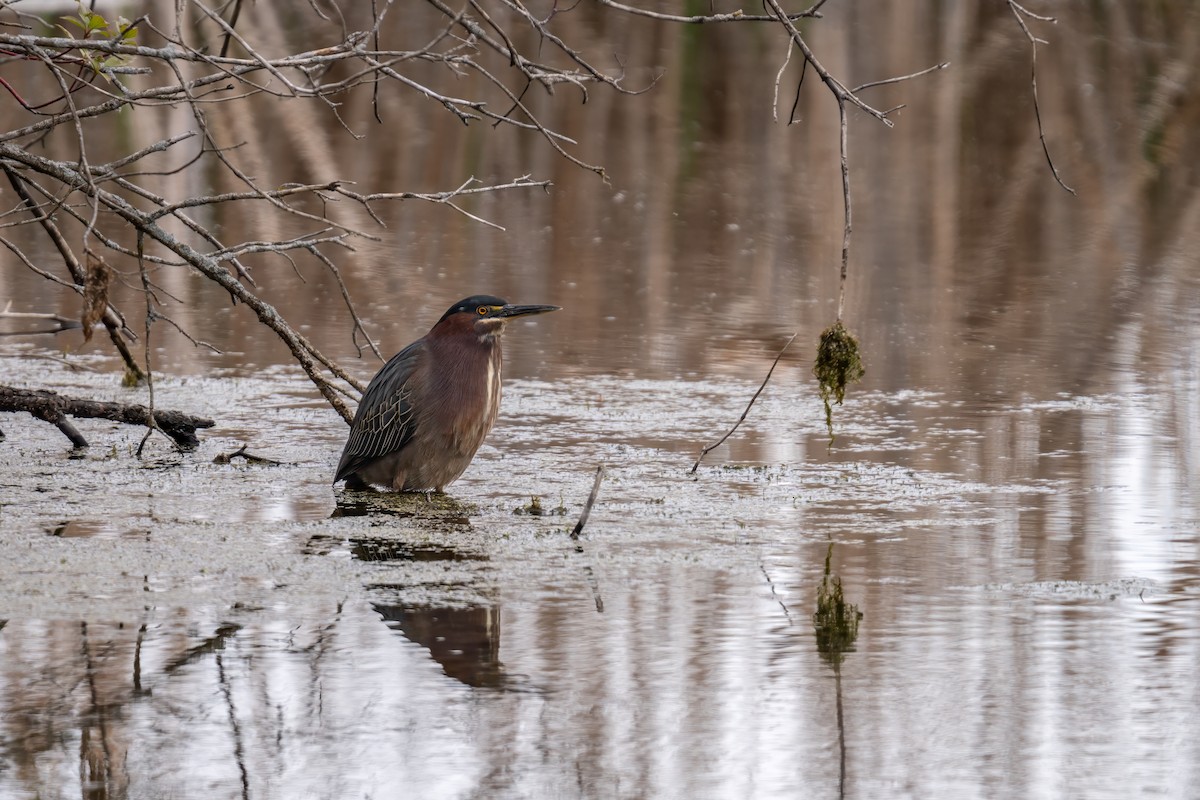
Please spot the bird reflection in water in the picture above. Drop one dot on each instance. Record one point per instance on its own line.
(465, 641)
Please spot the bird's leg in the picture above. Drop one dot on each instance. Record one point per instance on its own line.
(357, 484)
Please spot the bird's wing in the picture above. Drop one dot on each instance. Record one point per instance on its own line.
(384, 422)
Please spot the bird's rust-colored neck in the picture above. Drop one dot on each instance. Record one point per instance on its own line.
(466, 361)
(463, 382)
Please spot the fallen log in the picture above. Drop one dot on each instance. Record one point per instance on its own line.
(55, 408)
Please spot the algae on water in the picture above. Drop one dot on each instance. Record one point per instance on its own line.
(835, 621)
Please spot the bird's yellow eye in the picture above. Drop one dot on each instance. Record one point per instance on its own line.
(482, 310)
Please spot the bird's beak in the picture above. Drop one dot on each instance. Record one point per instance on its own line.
(521, 311)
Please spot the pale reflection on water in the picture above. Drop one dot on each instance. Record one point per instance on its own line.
(1011, 497)
(1031, 632)
(672, 693)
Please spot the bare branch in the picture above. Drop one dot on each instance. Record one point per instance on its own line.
(840, 92)
(114, 322)
(302, 350)
(1018, 10)
(485, 68)
(446, 197)
(54, 408)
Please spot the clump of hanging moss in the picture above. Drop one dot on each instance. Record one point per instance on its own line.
(838, 363)
(835, 621)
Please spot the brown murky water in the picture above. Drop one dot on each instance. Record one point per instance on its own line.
(1011, 499)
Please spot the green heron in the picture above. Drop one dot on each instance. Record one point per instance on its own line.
(428, 409)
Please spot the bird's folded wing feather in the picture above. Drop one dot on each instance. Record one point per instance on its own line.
(384, 422)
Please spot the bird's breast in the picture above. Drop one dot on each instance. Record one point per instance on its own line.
(465, 400)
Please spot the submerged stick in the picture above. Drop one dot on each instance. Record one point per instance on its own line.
(587, 507)
(592, 582)
(742, 418)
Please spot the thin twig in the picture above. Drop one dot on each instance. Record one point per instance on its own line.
(900, 78)
(848, 218)
(700, 19)
(114, 322)
(800, 83)
(358, 325)
(183, 332)
(787, 59)
(1017, 10)
(151, 425)
(750, 405)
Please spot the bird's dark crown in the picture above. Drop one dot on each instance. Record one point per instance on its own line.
(471, 305)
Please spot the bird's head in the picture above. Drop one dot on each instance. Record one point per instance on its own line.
(486, 314)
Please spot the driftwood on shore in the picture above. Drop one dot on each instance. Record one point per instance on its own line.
(55, 409)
